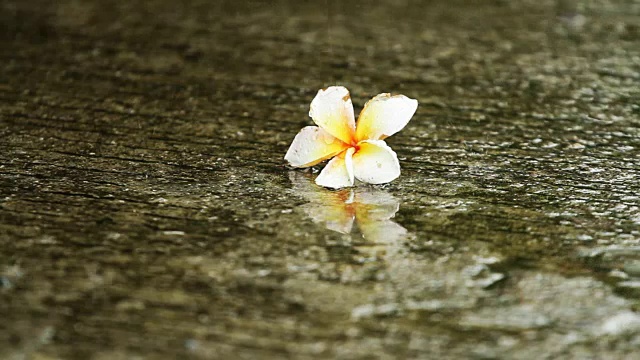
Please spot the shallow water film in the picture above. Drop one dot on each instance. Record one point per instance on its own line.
(146, 211)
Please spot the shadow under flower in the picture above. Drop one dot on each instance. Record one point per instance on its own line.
(369, 209)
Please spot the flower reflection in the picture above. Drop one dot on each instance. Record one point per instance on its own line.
(370, 209)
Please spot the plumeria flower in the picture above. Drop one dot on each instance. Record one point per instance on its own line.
(358, 151)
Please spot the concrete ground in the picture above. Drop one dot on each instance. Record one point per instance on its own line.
(146, 211)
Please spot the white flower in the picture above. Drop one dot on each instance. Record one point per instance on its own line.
(357, 151)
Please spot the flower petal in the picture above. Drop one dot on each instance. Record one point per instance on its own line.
(311, 146)
(375, 162)
(339, 171)
(332, 110)
(384, 115)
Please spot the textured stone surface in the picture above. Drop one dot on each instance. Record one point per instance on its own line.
(146, 211)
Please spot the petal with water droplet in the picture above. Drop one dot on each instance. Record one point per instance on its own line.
(375, 162)
(339, 171)
(311, 146)
(384, 115)
(332, 110)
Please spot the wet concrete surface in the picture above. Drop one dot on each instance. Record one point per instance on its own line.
(146, 211)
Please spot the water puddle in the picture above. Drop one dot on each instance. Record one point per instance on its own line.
(364, 212)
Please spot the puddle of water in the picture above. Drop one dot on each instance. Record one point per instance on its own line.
(367, 210)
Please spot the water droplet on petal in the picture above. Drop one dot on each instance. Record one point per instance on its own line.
(328, 140)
